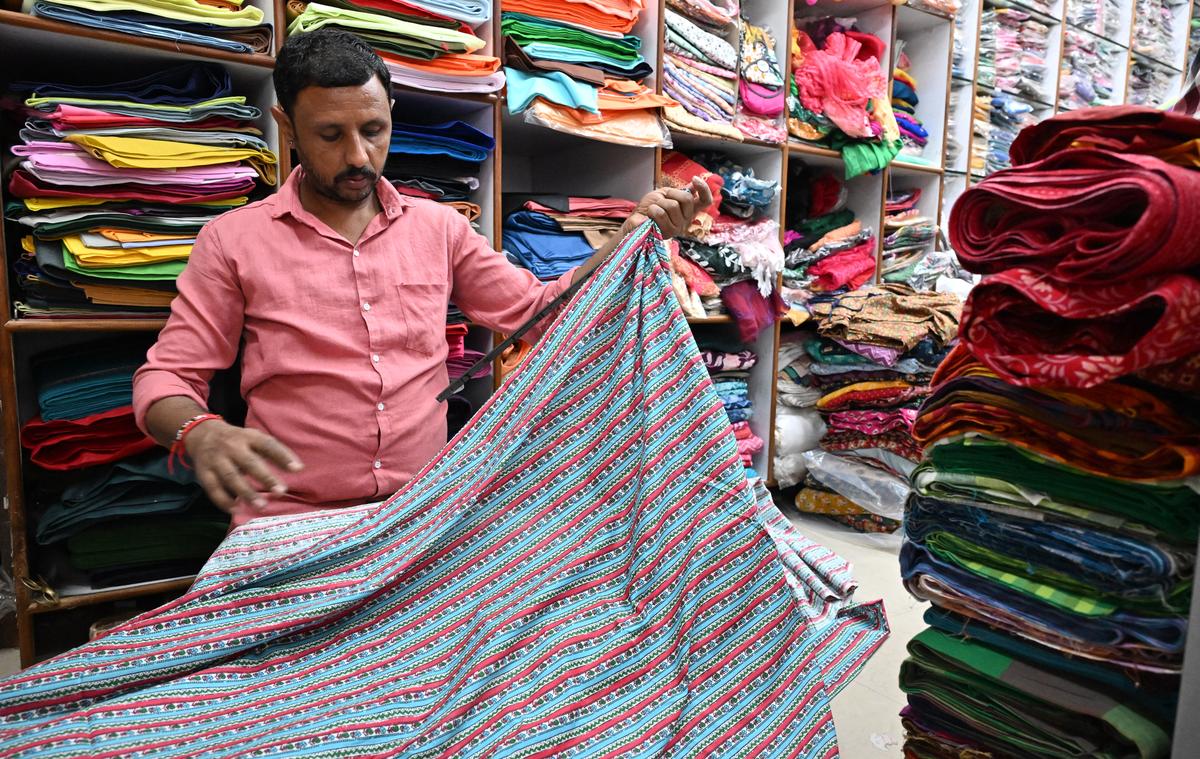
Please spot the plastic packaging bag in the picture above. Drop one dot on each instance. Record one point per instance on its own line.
(872, 489)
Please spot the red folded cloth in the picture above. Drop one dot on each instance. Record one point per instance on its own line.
(750, 310)
(598, 208)
(1119, 128)
(850, 268)
(22, 185)
(456, 340)
(1082, 216)
(102, 438)
(1032, 331)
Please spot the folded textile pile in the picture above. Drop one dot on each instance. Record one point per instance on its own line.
(1013, 50)
(115, 180)
(1100, 17)
(1006, 116)
(731, 257)
(910, 254)
(700, 71)
(828, 251)
(439, 162)
(905, 100)
(138, 520)
(459, 362)
(961, 93)
(839, 95)
(550, 235)
(729, 364)
(85, 416)
(865, 369)
(409, 599)
(576, 67)
(1089, 69)
(425, 44)
(229, 25)
(762, 94)
(1150, 84)
(1052, 522)
(1154, 32)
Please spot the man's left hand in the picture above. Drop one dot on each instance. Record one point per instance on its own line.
(672, 210)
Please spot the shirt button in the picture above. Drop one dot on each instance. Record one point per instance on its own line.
(366, 307)
(380, 407)
(378, 464)
(375, 357)
(356, 252)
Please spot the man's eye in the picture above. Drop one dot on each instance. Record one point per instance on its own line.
(329, 137)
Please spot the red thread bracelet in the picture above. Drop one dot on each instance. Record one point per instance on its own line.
(178, 448)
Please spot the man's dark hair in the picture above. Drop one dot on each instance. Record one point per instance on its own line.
(324, 58)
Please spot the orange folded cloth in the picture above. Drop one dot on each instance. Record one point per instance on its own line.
(640, 128)
(458, 64)
(114, 295)
(603, 15)
(470, 210)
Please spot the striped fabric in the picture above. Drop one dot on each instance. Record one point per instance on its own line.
(585, 570)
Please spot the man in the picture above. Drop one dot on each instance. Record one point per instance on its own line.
(335, 288)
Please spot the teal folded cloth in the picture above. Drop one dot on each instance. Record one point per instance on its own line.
(138, 486)
(555, 87)
(82, 381)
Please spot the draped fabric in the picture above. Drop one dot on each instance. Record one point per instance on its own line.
(584, 569)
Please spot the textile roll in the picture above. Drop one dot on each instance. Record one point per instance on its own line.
(1082, 217)
(1170, 135)
(585, 568)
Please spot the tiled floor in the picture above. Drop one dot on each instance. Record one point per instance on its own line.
(867, 711)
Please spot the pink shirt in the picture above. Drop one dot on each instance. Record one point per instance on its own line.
(344, 345)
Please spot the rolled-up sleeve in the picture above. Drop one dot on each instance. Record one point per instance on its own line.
(491, 290)
(202, 334)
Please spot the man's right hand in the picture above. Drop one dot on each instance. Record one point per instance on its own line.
(227, 458)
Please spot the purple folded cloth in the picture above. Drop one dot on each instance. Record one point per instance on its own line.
(457, 367)
(878, 353)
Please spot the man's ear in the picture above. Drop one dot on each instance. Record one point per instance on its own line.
(287, 132)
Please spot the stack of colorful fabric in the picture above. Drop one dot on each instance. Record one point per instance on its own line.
(700, 70)
(1089, 66)
(551, 234)
(1149, 83)
(828, 251)
(1154, 32)
(115, 180)
(85, 416)
(439, 162)
(762, 97)
(839, 93)
(913, 134)
(871, 360)
(730, 373)
(1053, 523)
(224, 24)
(426, 44)
(1100, 17)
(909, 241)
(575, 67)
(1007, 116)
(1013, 48)
(735, 242)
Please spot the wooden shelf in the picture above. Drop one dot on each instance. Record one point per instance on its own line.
(85, 325)
(724, 319)
(919, 168)
(678, 135)
(120, 594)
(800, 148)
(35, 23)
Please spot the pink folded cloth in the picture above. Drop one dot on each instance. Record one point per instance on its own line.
(63, 163)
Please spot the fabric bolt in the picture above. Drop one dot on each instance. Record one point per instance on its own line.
(779, 603)
(82, 381)
(866, 523)
(102, 438)
(555, 87)
(752, 312)
(454, 139)
(123, 17)
(1168, 135)
(614, 16)
(394, 35)
(815, 500)
(864, 395)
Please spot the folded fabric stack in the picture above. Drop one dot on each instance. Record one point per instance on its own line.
(1053, 525)
(138, 520)
(942, 7)
(871, 359)
(700, 71)
(115, 181)
(913, 134)
(839, 93)
(1015, 46)
(828, 251)
(960, 94)
(425, 44)
(1154, 32)
(762, 97)
(735, 243)
(958, 52)
(224, 24)
(1007, 116)
(439, 162)
(1149, 83)
(1100, 17)
(908, 247)
(730, 373)
(460, 406)
(575, 67)
(550, 235)
(85, 417)
(1088, 70)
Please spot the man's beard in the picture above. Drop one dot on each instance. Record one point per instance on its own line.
(334, 191)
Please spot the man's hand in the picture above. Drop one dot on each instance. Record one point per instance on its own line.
(672, 210)
(224, 456)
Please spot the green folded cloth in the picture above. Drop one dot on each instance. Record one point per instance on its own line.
(140, 486)
(979, 469)
(393, 34)
(232, 107)
(145, 540)
(822, 225)
(162, 271)
(863, 156)
(1022, 708)
(530, 30)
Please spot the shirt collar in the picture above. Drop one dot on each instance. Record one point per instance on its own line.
(287, 200)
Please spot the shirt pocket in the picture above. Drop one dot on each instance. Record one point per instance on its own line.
(423, 308)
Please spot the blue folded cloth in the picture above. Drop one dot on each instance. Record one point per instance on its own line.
(474, 12)
(536, 242)
(124, 23)
(454, 139)
(554, 86)
(176, 85)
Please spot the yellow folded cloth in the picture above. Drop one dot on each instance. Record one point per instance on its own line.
(103, 258)
(132, 235)
(180, 10)
(140, 153)
(112, 295)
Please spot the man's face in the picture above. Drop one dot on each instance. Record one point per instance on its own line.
(342, 136)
